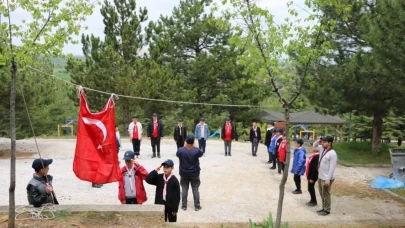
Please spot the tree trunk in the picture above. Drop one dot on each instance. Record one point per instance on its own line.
(286, 168)
(377, 132)
(11, 212)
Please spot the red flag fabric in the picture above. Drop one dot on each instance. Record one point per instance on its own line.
(96, 158)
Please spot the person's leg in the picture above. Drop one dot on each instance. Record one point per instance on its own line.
(297, 181)
(131, 201)
(229, 147)
(166, 214)
(282, 166)
(153, 144)
(204, 144)
(269, 161)
(200, 144)
(253, 147)
(195, 184)
(311, 190)
(158, 147)
(134, 144)
(137, 145)
(273, 159)
(225, 147)
(320, 188)
(279, 166)
(170, 216)
(326, 193)
(184, 182)
(256, 146)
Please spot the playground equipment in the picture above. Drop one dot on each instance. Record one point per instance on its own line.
(313, 133)
(68, 127)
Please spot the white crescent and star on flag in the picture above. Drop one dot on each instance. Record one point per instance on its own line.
(99, 124)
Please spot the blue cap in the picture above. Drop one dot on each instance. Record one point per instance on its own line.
(37, 164)
(168, 162)
(129, 155)
(190, 139)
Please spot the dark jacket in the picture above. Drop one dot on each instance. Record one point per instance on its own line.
(252, 133)
(278, 142)
(36, 192)
(176, 134)
(233, 133)
(172, 190)
(160, 129)
(189, 159)
(313, 168)
(269, 134)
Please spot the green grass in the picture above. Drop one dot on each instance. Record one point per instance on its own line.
(361, 153)
(400, 192)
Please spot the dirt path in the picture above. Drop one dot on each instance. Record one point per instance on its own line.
(233, 189)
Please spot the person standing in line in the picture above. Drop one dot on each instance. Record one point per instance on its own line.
(312, 176)
(180, 133)
(130, 188)
(40, 189)
(269, 135)
(135, 135)
(189, 159)
(255, 137)
(326, 173)
(167, 189)
(279, 133)
(298, 167)
(202, 132)
(118, 138)
(228, 134)
(272, 150)
(282, 152)
(155, 133)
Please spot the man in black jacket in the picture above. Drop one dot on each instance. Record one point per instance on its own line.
(269, 135)
(189, 157)
(179, 135)
(39, 189)
(255, 137)
(167, 189)
(228, 134)
(155, 133)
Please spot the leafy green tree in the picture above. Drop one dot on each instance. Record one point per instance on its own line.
(362, 72)
(281, 54)
(51, 22)
(115, 65)
(195, 45)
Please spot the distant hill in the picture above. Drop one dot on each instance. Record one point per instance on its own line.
(59, 69)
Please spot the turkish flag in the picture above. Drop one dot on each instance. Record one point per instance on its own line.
(96, 157)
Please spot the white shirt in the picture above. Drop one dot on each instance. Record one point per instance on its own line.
(131, 129)
(327, 165)
(202, 131)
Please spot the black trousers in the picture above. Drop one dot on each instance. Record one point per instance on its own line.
(297, 180)
(155, 143)
(280, 166)
(273, 159)
(169, 215)
(180, 143)
(136, 144)
(311, 190)
(131, 201)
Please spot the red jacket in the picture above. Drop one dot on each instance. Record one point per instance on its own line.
(140, 176)
(282, 149)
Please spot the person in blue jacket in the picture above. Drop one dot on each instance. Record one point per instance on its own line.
(202, 132)
(298, 167)
(272, 149)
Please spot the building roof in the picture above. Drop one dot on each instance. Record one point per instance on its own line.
(304, 117)
(312, 117)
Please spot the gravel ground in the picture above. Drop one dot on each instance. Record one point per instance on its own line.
(233, 189)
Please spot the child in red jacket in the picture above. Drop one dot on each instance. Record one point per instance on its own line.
(282, 152)
(130, 188)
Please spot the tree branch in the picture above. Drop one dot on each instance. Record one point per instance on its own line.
(261, 48)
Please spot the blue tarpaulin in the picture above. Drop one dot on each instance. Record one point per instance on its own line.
(384, 183)
(215, 134)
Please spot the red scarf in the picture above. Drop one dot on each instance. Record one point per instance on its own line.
(308, 162)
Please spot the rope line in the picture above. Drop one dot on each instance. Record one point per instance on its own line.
(146, 98)
(36, 213)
